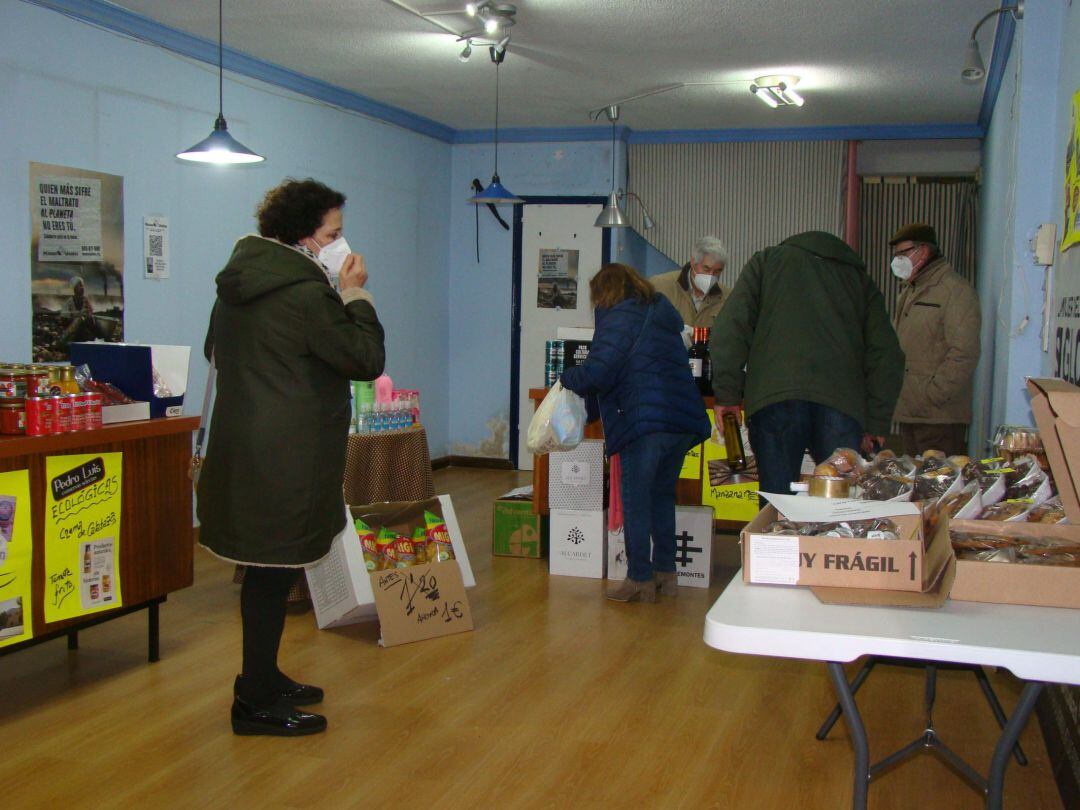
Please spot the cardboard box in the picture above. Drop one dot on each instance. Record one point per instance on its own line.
(578, 540)
(340, 585)
(131, 368)
(693, 548)
(517, 531)
(616, 554)
(1017, 583)
(576, 477)
(129, 412)
(422, 602)
(906, 564)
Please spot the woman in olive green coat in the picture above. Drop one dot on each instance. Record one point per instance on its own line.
(286, 345)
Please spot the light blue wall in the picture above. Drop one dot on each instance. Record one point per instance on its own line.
(1021, 183)
(480, 293)
(79, 96)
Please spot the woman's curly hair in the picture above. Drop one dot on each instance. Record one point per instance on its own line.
(295, 209)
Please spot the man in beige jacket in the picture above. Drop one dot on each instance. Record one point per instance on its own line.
(937, 320)
(695, 288)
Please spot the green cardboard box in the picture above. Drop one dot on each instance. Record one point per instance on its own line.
(516, 531)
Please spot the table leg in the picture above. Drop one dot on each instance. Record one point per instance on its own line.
(1021, 714)
(995, 707)
(154, 632)
(73, 639)
(858, 734)
(834, 715)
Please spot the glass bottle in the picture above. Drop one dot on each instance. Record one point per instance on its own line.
(736, 453)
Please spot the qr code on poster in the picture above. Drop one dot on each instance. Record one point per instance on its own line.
(156, 244)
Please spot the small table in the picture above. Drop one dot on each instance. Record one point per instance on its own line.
(789, 622)
(388, 466)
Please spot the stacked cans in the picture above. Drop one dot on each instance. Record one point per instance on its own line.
(30, 404)
(555, 363)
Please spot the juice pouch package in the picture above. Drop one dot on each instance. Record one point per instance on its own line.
(405, 552)
(439, 547)
(368, 544)
(419, 541)
(384, 545)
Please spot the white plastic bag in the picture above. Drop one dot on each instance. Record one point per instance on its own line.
(559, 422)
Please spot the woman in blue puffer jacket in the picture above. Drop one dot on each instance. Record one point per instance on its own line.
(652, 413)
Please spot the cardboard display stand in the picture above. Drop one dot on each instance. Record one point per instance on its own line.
(131, 368)
(341, 586)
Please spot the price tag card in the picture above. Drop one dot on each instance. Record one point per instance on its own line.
(424, 601)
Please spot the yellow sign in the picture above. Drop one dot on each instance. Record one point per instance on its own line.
(733, 495)
(1071, 233)
(82, 534)
(691, 465)
(16, 553)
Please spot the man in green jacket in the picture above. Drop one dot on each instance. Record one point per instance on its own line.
(805, 346)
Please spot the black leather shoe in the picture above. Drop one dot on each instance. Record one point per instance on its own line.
(278, 720)
(301, 694)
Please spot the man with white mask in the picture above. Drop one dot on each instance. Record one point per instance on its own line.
(937, 320)
(695, 288)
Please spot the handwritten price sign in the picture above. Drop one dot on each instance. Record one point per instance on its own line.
(421, 602)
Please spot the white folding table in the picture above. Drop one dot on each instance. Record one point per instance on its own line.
(1038, 645)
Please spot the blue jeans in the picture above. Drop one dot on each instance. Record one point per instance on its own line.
(650, 471)
(781, 433)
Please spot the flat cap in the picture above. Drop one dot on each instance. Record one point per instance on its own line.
(915, 232)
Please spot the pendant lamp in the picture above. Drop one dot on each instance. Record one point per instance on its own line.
(612, 216)
(496, 193)
(220, 147)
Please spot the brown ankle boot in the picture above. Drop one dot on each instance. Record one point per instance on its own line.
(667, 582)
(630, 590)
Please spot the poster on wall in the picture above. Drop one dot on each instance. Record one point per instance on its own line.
(76, 258)
(557, 279)
(1071, 231)
(733, 494)
(82, 534)
(16, 553)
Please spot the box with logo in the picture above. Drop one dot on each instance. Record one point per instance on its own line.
(577, 543)
(693, 547)
(154, 374)
(576, 477)
(517, 531)
(909, 563)
(1056, 405)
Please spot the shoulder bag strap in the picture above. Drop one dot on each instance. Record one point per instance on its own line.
(200, 437)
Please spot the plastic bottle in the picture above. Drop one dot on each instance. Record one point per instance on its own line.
(384, 390)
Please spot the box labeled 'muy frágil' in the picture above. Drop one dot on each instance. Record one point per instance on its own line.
(909, 563)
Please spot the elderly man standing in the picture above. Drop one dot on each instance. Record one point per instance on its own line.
(806, 347)
(695, 289)
(937, 321)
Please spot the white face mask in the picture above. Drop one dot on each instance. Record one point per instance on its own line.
(902, 267)
(334, 254)
(704, 282)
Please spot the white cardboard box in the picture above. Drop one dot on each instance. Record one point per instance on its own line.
(340, 584)
(693, 547)
(577, 543)
(576, 477)
(616, 554)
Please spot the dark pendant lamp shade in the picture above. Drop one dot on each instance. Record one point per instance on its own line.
(496, 193)
(219, 147)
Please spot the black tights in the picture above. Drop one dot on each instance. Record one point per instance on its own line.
(262, 611)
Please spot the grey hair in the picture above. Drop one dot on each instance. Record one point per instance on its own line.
(710, 246)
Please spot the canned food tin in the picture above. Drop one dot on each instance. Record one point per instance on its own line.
(13, 383)
(63, 414)
(40, 415)
(12, 417)
(93, 411)
(79, 404)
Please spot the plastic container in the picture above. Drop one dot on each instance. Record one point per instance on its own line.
(384, 390)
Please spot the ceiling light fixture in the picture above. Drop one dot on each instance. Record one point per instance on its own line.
(220, 147)
(495, 192)
(974, 70)
(472, 9)
(777, 91)
(466, 52)
(613, 215)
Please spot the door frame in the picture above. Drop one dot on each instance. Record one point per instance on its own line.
(515, 298)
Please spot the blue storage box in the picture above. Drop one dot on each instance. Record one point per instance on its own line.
(131, 368)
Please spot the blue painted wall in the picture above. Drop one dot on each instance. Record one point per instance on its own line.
(79, 96)
(480, 292)
(1020, 190)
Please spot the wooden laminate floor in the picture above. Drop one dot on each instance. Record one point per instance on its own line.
(558, 699)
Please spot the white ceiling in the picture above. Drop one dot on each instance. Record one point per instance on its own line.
(862, 62)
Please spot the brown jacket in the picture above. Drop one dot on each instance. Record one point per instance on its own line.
(937, 321)
(675, 286)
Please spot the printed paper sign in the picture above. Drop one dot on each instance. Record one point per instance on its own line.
(805, 509)
(16, 553)
(70, 211)
(156, 246)
(774, 559)
(82, 534)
